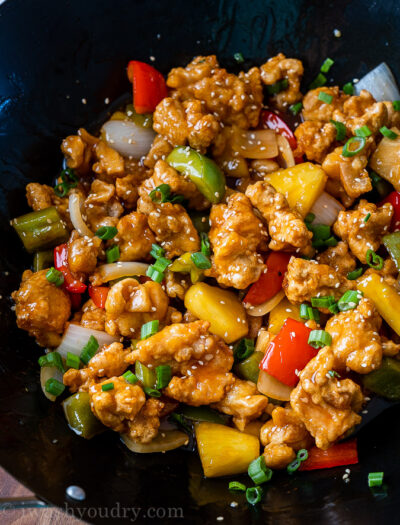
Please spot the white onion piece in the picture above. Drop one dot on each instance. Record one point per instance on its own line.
(49, 372)
(265, 308)
(257, 144)
(285, 156)
(326, 209)
(74, 205)
(129, 139)
(263, 340)
(381, 83)
(76, 337)
(271, 387)
(165, 440)
(111, 271)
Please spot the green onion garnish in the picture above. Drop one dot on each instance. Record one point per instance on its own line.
(374, 260)
(323, 302)
(375, 479)
(348, 88)
(162, 193)
(319, 81)
(296, 108)
(319, 338)
(205, 244)
(353, 146)
(333, 308)
(307, 312)
(69, 180)
(161, 264)
(355, 274)
(302, 454)
(328, 63)
(238, 57)
(279, 86)
(105, 233)
(364, 131)
(254, 495)
(367, 217)
(386, 132)
(325, 97)
(259, 472)
(149, 329)
(349, 300)
(152, 392)
(333, 373)
(107, 386)
(309, 218)
(154, 274)
(243, 349)
(236, 486)
(163, 374)
(54, 276)
(52, 359)
(321, 235)
(73, 360)
(396, 105)
(157, 251)
(130, 377)
(89, 350)
(340, 130)
(201, 261)
(112, 254)
(293, 466)
(54, 387)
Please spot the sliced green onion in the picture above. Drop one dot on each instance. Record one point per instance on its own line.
(54, 276)
(73, 360)
(130, 377)
(355, 274)
(367, 217)
(325, 97)
(296, 108)
(152, 392)
(149, 329)
(52, 359)
(162, 193)
(107, 386)
(302, 454)
(236, 486)
(182, 421)
(157, 251)
(89, 350)
(374, 260)
(364, 131)
(243, 349)
(319, 338)
(307, 312)
(396, 105)
(105, 233)
(54, 387)
(69, 180)
(319, 81)
(163, 374)
(112, 254)
(309, 218)
(239, 58)
(358, 142)
(254, 495)
(375, 479)
(161, 264)
(333, 308)
(333, 373)
(323, 302)
(154, 274)
(349, 300)
(340, 130)
(259, 472)
(386, 132)
(205, 244)
(328, 63)
(201, 261)
(279, 86)
(348, 88)
(293, 466)
(321, 232)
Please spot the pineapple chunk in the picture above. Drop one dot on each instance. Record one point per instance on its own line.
(386, 159)
(302, 185)
(280, 313)
(221, 308)
(225, 451)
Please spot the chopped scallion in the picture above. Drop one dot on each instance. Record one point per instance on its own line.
(386, 132)
(73, 360)
(279, 86)
(325, 97)
(293, 466)
(89, 350)
(259, 472)
(69, 180)
(54, 276)
(152, 392)
(162, 194)
(52, 359)
(112, 254)
(348, 88)
(349, 300)
(161, 264)
(205, 244)
(302, 454)
(319, 338)
(328, 63)
(353, 146)
(367, 217)
(239, 58)
(254, 495)
(163, 374)
(323, 302)
(149, 329)
(157, 251)
(333, 373)
(154, 274)
(236, 486)
(105, 233)
(340, 130)
(201, 261)
(319, 81)
(243, 349)
(374, 260)
(364, 131)
(355, 274)
(396, 105)
(107, 386)
(54, 387)
(296, 108)
(375, 479)
(130, 377)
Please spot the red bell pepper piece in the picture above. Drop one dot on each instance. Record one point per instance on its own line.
(61, 264)
(98, 294)
(76, 300)
(149, 86)
(336, 456)
(270, 282)
(271, 120)
(394, 199)
(288, 352)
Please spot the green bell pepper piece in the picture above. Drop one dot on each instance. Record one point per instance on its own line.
(200, 220)
(248, 369)
(202, 413)
(386, 380)
(145, 120)
(43, 260)
(392, 244)
(202, 171)
(147, 376)
(80, 417)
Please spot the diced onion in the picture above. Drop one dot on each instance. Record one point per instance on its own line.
(76, 337)
(326, 209)
(285, 156)
(165, 440)
(257, 144)
(49, 372)
(271, 387)
(129, 139)
(111, 271)
(265, 308)
(381, 83)
(78, 223)
(263, 340)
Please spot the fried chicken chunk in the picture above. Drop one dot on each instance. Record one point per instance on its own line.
(286, 227)
(278, 68)
(134, 237)
(144, 427)
(41, 196)
(41, 308)
(236, 235)
(92, 316)
(339, 258)
(82, 254)
(315, 138)
(101, 207)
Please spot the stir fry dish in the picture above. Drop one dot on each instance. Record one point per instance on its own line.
(221, 259)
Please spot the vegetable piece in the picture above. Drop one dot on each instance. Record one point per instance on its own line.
(302, 185)
(202, 413)
(340, 130)
(46, 373)
(374, 260)
(248, 369)
(385, 160)
(353, 146)
(54, 276)
(146, 376)
(43, 260)
(327, 64)
(349, 300)
(225, 451)
(164, 441)
(392, 244)
(293, 466)
(185, 264)
(52, 359)
(110, 272)
(149, 329)
(76, 336)
(319, 339)
(396, 105)
(386, 380)
(112, 254)
(130, 377)
(380, 82)
(319, 81)
(74, 207)
(149, 86)
(348, 88)
(40, 229)
(61, 264)
(265, 308)
(201, 261)
(238, 57)
(128, 138)
(386, 132)
(355, 274)
(296, 108)
(271, 387)
(335, 456)
(105, 233)
(144, 120)
(72, 361)
(236, 486)
(394, 199)
(205, 244)
(308, 312)
(270, 281)
(163, 374)
(54, 387)
(200, 220)
(290, 347)
(285, 156)
(98, 294)
(202, 171)
(271, 120)
(162, 193)
(364, 131)
(254, 495)
(80, 417)
(280, 313)
(89, 350)
(243, 349)
(69, 180)
(259, 472)
(277, 87)
(375, 479)
(107, 386)
(385, 298)
(323, 302)
(326, 98)
(256, 144)
(155, 275)
(302, 454)
(221, 308)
